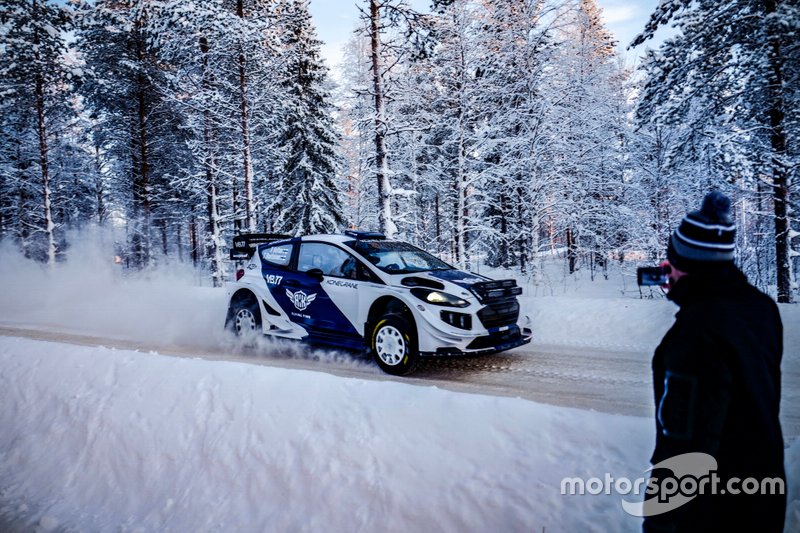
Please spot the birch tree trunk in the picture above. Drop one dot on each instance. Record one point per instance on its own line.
(41, 129)
(141, 166)
(244, 105)
(536, 224)
(99, 188)
(462, 210)
(213, 239)
(385, 221)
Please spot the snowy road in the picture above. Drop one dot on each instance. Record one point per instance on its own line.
(616, 382)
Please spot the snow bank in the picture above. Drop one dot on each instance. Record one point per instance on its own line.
(623, 323)
(613, 323)
(98, 439)
(574, 310)
(104, 440)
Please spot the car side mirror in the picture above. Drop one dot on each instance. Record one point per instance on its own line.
(315, 273)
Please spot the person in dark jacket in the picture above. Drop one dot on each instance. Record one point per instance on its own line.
(717, 379)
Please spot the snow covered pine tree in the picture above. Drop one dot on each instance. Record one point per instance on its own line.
(307, 197)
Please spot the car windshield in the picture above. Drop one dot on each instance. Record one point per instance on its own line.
(397, 257)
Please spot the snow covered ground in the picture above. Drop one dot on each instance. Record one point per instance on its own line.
(105, 440)
(97, 439)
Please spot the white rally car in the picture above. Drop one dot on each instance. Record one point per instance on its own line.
(360, 290)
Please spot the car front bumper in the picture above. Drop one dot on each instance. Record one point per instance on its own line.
(487, 344)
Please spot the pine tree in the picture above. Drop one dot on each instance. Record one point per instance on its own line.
(588, 112)
(198, 47)
(245, 105)
(383, 17)
(453, 66)
(355, 120)
(35, 82)
(725, 73)
(517, 51)
(126, 90)
(252, 41)
(308, 198)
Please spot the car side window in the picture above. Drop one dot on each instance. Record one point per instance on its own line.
(331, 260)
(364, 274)
(277, 255)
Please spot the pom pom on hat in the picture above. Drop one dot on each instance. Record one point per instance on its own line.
(716, 208)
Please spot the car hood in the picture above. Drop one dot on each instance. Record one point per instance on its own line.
(453, 281)
(463, 279)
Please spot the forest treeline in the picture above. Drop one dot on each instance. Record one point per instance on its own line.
(482, 130)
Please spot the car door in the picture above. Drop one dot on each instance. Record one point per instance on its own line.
(325, 294)
(277, 273)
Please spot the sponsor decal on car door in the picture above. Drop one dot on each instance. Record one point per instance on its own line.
(319, 305)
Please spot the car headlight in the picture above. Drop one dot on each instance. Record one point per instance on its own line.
(438, 297)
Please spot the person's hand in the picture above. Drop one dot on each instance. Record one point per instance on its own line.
(673, 274)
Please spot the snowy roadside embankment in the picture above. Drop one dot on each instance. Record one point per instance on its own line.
(99, 439)
(612, 314)
(624, 324)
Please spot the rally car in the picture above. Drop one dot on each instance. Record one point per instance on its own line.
(363, 291)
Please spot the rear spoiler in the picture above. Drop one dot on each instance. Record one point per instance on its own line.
(244, 245)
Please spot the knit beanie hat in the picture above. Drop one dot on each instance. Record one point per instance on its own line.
(705, 238)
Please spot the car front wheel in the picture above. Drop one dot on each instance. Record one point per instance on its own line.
(394, 345)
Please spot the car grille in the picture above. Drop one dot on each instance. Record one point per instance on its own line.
(488, 291)
(500, 313)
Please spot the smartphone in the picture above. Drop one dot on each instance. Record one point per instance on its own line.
(650, 276)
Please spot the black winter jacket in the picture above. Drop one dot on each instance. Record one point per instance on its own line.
(717, 382)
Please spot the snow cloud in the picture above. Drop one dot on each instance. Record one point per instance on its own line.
(90, 294)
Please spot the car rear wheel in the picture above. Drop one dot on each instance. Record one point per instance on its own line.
(245, 321)
(394, 345)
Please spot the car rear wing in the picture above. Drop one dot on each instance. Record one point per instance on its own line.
(496, 290)
(244, 245)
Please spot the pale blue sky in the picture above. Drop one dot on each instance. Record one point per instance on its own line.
(336, 20)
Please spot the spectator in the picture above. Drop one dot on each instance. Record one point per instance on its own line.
(717, 378)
